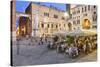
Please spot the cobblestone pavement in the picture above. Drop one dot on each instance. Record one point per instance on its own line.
(39, 54)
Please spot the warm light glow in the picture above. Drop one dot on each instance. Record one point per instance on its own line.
(17, 32)
(66, 14)
(87, 23)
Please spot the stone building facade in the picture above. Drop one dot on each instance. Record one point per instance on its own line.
(46, 20)
(83, 17)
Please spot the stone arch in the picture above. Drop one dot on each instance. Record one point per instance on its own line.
(24, 27)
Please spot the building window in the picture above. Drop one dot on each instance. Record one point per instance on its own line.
(56, 26)
(94, 12)
(69, 26)
(51, 25)
(46, 14)
(74, 28)
(74, 12)
(70, 15)
(63, 18)
(55, 16)
(88, 7)
(42, 25)
(85, 9)
(94, 16)
(74, 23)
(94, 7)
(74, 17)
(85, 14)
(78, 21)
(82, 9)
(64, 25)
(94, 26)
(48, 25)
(78, 17)
(78, 11)
(78, 28)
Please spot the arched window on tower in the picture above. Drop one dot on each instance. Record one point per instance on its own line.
(94, 16)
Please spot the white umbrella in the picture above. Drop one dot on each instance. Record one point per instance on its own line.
(90, 32)
(77, 32)
(60, 33)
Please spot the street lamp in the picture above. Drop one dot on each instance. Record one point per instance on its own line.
(66, 14)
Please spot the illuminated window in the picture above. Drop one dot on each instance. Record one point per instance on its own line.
(86, 24)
